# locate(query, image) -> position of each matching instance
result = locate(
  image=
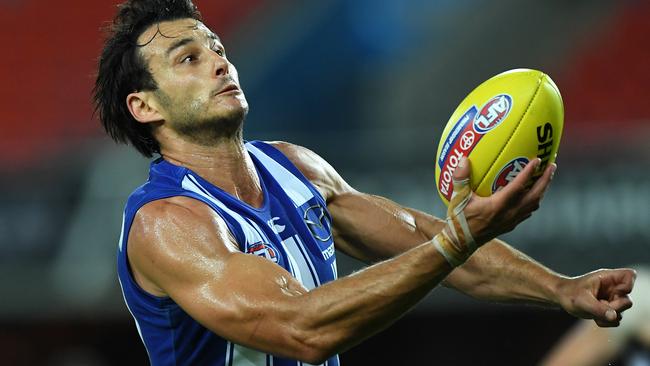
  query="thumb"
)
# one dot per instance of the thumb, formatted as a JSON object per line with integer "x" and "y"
{"x": 602, "y": 311}
{"x": 462, "y": 190}
{"x": 610, "y": 314}
{"x": 462, "y": 172}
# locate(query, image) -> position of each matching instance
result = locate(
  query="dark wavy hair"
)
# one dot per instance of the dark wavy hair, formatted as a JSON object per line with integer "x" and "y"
{"x": 122, "y": 69}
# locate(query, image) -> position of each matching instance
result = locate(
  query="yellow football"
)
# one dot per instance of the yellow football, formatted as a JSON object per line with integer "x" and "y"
{"x": 501, "y": 125}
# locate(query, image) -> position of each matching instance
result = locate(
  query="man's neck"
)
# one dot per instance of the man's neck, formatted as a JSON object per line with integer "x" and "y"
{"x": 226, "y": 165}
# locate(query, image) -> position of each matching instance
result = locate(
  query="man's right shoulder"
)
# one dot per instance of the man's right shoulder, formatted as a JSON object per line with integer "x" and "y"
{"x": 168, "y": 233}
{"x": 163, "y": 220}
{"x": 167, "y": 209}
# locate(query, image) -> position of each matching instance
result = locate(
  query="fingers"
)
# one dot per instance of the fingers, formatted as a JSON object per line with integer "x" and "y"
{"x": 515, "y": 189}
{"x": 625, "y": 278}
{"x": 621, "y": 304}
{"x": 542, "y": 184}
{"x": 605, "y": 316}
{"x": 614, "y": 314}
{"x": 611, "y": 298}
{"x": 529, "y": 198}
{"x": 615, "y": 284}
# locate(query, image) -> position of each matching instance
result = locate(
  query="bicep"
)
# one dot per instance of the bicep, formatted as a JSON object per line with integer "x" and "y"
{"x": 192, "y": 259}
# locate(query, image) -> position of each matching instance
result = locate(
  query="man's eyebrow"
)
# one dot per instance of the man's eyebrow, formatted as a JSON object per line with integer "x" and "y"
{"x": 214, "y": 37}
{"x": 183, "y": 41}
{"x": 180, "y": 43}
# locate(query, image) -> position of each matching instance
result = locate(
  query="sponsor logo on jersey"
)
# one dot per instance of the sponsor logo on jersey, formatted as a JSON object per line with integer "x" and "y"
{"x": 508, "y": 173}
{"x": 329, "y": 252}
{"x": 264, "y": 250}
{"x": 466, "y": 134}
{"x": 493, "y": 113}
{"x": 318, "y": 223}
{"x": 277, "y": 228}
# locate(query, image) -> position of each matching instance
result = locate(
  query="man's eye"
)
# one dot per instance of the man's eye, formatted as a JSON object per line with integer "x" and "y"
{"x": 221, "y": 52}
{"x": 188, "y": 59}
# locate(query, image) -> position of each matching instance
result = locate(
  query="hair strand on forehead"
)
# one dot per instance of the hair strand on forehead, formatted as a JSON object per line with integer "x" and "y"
{"x": 158, "y": 32}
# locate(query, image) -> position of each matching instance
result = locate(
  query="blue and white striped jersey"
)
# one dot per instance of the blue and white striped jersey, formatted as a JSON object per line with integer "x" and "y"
{"x": 292, "y": 229}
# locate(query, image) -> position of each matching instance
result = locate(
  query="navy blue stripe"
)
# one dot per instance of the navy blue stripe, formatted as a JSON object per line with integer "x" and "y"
{"x": 232, "y": 350}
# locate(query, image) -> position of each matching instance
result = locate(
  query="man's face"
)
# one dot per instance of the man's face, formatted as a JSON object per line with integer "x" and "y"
{"x": 198, "y": 88}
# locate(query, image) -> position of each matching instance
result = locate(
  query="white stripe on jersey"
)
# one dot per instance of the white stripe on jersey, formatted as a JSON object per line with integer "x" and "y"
{"x": 122, "y": 231}
{"x": 243, "y": 356}
{"x": 297, "y": 260}
{"x": 228, "y": 361}
{"x": 335, "y": 270}
{"x": 303, "y": 263}
{"x": 191, "y": 184}
{"x": 294, "y": 187}
{"x": 293, "y": 264}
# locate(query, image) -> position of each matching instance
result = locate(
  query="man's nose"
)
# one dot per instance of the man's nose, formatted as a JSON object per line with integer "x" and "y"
{"x": 222, "y": 66}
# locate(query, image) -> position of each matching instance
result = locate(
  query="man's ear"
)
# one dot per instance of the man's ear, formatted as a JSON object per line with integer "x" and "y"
{"x": 143, "y": 108}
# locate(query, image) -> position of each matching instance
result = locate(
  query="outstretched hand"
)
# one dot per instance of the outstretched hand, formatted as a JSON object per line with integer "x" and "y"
{"x": 488, "y": 217}
{"x": 600, "y": 295}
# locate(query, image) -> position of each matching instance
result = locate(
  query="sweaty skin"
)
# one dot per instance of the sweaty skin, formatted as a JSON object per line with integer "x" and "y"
{"x": 179, "y": 247}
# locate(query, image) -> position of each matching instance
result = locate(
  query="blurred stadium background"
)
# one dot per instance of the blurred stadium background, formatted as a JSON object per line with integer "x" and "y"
{"x": 368, "y": 85}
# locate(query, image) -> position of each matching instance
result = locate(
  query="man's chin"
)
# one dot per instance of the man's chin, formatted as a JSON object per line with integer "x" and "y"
{"x": 215, "y": 129}
{"x": 232, "y": 118}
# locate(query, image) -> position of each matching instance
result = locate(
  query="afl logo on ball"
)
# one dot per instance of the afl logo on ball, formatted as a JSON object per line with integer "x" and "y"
{"x": 493, "y": 113}
{"x": 263, "y": 250}
{"x": 508, "y": 173}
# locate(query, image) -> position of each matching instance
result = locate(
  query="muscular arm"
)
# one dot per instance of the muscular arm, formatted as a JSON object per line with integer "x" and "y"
{"x": 178, "y": 247}
{"x": 373, "y": 228}
{"x": 495, "y": 272}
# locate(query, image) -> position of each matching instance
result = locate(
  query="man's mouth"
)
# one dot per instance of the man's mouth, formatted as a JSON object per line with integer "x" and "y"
{"x": 229, "y": 88}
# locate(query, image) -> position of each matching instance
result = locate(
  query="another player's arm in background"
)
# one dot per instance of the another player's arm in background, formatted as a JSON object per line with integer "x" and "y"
{"x": 586, "y": 345}
{"x": 372, "y": 228}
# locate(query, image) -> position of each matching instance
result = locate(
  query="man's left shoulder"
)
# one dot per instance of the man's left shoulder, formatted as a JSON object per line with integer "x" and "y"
{"x": 316, "y": 169}
{"x": 298, "y": 155}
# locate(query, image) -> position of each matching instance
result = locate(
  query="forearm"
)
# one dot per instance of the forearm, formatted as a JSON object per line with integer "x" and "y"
{"x": 495, "y": 272}
{"x": 345, "y": 312}
{"x": 274, "y": 313}
{"x": 499, "y": 272}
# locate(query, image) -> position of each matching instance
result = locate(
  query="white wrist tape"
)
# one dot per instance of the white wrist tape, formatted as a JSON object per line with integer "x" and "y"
{"x": 455, "y": 241}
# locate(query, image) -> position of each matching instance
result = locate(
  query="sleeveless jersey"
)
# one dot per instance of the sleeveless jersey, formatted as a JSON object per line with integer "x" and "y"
{"x": 291, "y": 229}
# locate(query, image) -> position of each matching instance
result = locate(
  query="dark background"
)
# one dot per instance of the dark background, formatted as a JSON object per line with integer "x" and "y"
{"x": 369, "y": 86}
